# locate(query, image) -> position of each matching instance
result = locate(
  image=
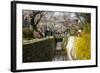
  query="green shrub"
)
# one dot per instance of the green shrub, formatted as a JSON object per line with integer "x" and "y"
{"x": 27, "y": 33}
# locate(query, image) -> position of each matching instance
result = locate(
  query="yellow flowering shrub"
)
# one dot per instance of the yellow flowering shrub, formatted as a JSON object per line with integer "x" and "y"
{"x": 82, "y": 50}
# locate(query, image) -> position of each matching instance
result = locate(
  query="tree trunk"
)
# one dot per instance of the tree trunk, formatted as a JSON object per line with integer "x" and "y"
{"x": 35, "y": 29}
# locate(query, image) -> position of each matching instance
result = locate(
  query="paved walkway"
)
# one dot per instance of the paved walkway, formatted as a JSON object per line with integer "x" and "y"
{"x": 70, "y": 47}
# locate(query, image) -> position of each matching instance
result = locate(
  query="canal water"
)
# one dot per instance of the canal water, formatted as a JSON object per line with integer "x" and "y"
{"x": 60, "y": 55}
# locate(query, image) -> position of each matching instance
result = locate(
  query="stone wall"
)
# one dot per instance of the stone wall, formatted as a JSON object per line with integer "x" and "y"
{"x": 39, "y": 51}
